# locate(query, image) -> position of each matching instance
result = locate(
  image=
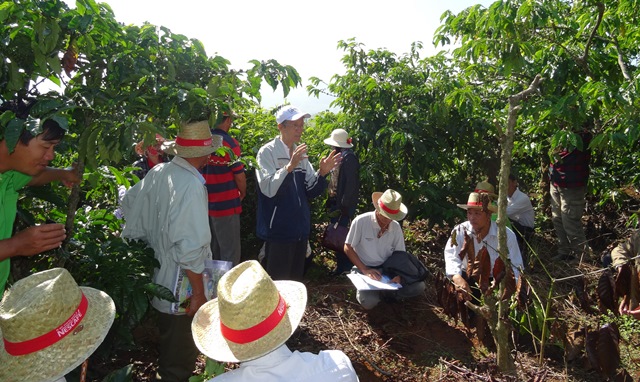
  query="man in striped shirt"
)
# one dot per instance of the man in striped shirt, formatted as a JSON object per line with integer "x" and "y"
{"x": 226, "y": 185}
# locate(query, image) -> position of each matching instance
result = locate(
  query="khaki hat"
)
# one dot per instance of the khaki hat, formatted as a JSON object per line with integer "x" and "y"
{"x": 50, "y": 326}
{"x": 339, "y": 138}
{"x": 194, "y": 140}
{"x": 476, "y": 202}
{"x": 486, "y": 187}
{"x": 389, "y": 204}
{"x": 251, "y": 317}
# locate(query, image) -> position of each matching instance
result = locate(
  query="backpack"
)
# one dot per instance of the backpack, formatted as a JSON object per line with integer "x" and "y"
{"x": 405, "y": 265}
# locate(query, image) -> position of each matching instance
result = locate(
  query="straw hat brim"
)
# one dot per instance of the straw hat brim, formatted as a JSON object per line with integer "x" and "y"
{"x": 171, "y": 148}
{"x": 208, "y": 338}
{"x": 334, "y": 143}
{"x": 53, "y": 362}
{"x": 491, "y": 207}
{"x": 398, "y": 216}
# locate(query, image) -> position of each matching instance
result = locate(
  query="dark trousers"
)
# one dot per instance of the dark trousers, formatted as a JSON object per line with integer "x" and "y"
{"x": 178, "y": 352}
{"x": 285, "y": 261}
{"x": 343, "y": 264}
{"x": 523, "y": 235}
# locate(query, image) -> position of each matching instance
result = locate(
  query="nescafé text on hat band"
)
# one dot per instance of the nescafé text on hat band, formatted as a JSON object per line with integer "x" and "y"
{"x": 50, "y": 338}
{"x": 387, "y": 209}
{"x": 194, "y": 142}
{"x": 257, "y": 331}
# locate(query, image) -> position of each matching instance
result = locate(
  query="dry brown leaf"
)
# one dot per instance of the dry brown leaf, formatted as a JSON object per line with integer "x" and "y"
{"x": 498, "y": 270}
{"x": 583, "y": 296}
{"x": 574, "y": 343}
{"x": 623, "y": 280}
{"x": 623, "y": 376}
{"x": 634, "y": 287}
{"x": 439, "y": 285}
{"x": 483, "y": 269}
{"x": 453, "y": 302}
{"x": 468, "y": 250}
{"x": 463, "y": 311}
{"x": 608, "y": 349}
{"x": 70, "y": 58}
{"x": 603, "y": 350}
{"x": 509, "y": 286}
{"x": 523, "y": 291}
{"x": 605, "y": 293}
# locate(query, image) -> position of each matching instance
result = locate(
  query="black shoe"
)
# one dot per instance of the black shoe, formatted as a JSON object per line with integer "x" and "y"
{"x": 389, "y": 298}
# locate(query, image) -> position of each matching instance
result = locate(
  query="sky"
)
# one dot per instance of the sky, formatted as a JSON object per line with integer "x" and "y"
{"x": 302, "y": 34}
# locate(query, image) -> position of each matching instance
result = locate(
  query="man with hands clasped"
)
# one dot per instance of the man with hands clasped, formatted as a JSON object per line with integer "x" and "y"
{"x": 286, "y": 181}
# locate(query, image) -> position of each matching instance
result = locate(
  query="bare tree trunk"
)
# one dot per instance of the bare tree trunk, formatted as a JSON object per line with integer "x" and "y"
{"x": 544, "y": 184}
{"x": 498, "y": 321}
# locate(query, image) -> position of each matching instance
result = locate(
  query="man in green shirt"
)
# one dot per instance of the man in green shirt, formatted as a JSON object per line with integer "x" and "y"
{"x": 27, "y": 165}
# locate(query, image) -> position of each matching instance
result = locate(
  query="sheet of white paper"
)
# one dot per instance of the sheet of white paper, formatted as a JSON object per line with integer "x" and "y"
{"x": 362, "y": 282}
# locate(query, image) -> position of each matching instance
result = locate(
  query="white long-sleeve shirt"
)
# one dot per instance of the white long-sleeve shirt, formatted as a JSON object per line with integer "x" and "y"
{"x": 283, "y": 365}
{"x": 455, "y": 265}
{"x": 168, "y": 210}
{"x": 519, "y": 209}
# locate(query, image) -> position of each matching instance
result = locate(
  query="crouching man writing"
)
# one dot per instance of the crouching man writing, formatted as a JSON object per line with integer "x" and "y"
{"x": 375, "y": 242}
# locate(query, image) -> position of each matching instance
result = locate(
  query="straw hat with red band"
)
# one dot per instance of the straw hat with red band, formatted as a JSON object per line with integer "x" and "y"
{"x": 487, "y": 188}
{"x": 389, "y": 204}
{"x": 49, "y": 326}
{"x": 194, "y": 140}
{"x": 251, "y": 317}
{"x": 478, "y": 201}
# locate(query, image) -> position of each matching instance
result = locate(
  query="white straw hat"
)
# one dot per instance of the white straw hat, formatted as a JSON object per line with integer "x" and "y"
{"x": 252, "y": 315}
{"x": 50, "y": 326}
{"x": 339, "y": 138}
{"x": 290, "y": 113}
{"x": 487, "y": 188}
{"x": 389, "y": 204}
{"x": 477, "y": 202}
{"x": 194, "y": 140}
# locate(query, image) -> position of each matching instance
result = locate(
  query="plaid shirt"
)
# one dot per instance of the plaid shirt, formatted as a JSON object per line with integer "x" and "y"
{"x": 571, "y": 169}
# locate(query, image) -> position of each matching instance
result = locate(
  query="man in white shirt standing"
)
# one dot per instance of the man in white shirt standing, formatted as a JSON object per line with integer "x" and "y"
{"x": 520, "y": 213}
{"x": 250, "y": 321}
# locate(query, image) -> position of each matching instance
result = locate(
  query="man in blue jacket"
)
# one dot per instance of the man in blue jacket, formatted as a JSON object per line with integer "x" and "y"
{"x": 286, "y": 180}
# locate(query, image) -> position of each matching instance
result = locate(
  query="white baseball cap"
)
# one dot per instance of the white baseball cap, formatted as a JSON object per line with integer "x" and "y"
{"x": 290, "y": 113}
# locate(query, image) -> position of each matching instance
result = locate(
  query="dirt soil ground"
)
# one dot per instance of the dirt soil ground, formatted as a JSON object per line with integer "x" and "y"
{"x": 413, "y": 340}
